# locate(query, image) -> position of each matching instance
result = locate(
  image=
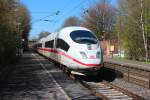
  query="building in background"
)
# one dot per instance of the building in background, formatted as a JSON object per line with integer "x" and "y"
{"x": 111, "y": 48}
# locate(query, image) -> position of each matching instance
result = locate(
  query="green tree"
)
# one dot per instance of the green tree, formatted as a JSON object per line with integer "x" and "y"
{"x": 134, "y": 28}
{"x": 9, "y": 33}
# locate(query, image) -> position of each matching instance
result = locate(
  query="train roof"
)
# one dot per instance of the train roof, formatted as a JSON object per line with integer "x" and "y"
{"x": 51, "y": 36}
{"x": 73, "y": 28}
{"x": 63, "y": 33}
{"x": 41, "y": 40}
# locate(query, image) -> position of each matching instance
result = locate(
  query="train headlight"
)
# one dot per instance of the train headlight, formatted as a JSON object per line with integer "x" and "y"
{"x": 83, "y": 54}
{"x": 98, "y": 55}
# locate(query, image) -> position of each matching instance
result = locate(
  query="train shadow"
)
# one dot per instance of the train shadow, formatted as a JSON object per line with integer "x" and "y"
{"x": 104, "y": 74}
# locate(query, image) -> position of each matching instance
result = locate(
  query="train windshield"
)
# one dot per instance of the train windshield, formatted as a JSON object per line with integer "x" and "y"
{"x": 83, "y": 37}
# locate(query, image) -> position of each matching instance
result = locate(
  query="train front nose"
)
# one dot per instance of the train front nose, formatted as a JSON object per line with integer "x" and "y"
{"x": 90, "y": 56}
{"x": 89, "y": 60}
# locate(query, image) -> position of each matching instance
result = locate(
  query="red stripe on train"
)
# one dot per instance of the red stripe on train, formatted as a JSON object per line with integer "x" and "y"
{"x": 66, "y": 55}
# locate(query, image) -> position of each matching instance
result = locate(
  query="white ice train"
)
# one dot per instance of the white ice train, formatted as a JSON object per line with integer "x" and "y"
{"x": 75, "y": 47}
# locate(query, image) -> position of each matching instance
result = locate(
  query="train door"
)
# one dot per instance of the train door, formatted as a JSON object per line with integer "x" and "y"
{"x": 57, "y": 56}
{"x": 55, "y": 47}
{"x": 43, "y": 46}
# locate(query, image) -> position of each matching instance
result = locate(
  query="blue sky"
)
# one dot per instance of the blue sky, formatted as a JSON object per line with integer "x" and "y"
{"x": 46, "y": 10}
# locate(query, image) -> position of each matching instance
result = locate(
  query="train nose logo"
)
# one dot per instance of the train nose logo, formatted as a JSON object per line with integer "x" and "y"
{"x": 89, "y": 47}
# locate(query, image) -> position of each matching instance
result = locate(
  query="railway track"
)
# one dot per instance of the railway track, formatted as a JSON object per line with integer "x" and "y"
{"x": 106, "y": 90}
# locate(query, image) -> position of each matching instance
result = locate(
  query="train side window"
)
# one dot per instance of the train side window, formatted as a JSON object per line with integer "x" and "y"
{"x": 49, "y": 44}
{"x": 62, "y": 45}
{"x": 39, "y": 45}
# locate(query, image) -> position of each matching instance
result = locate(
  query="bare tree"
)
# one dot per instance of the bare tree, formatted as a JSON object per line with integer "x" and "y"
{"x": 43, "y": 34}
{"x": 25, "y": 25}
{"x": 144, "y": 33}
{"x": 100, "y": 18}
{"x": 71, "y": 21}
